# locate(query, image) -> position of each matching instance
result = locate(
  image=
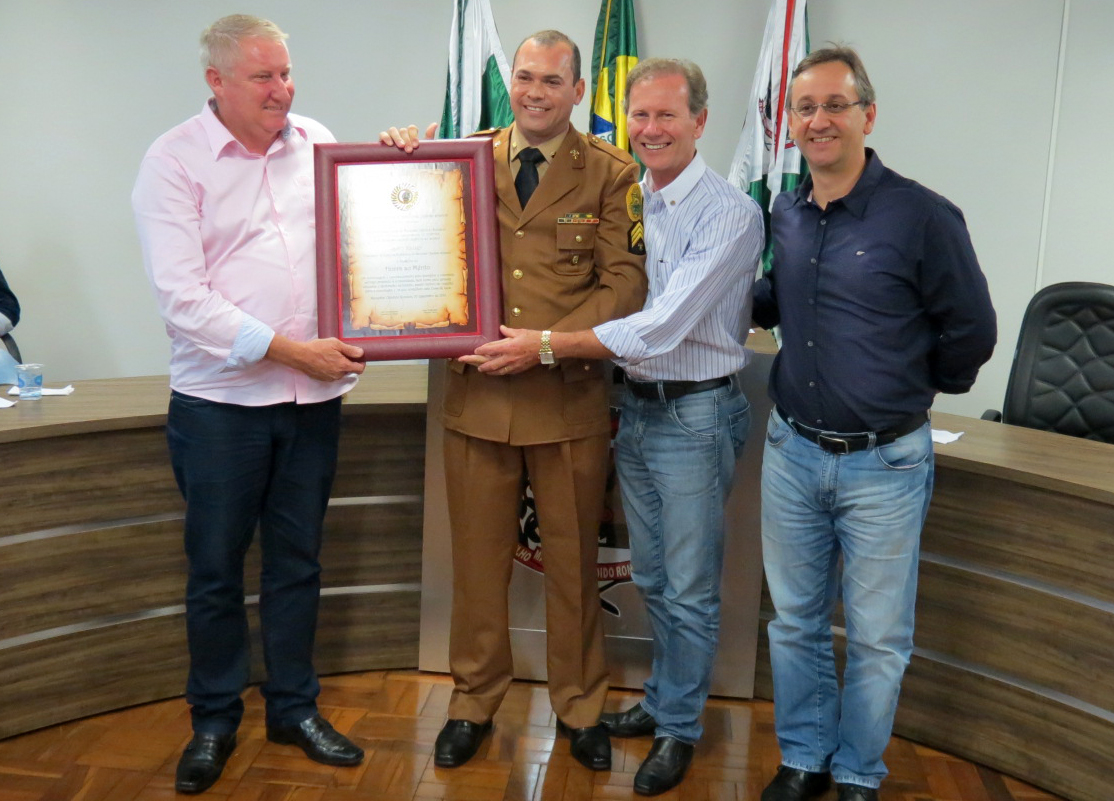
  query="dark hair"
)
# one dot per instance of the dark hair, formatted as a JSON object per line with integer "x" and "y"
{"x": 843, "y": 54}
{"x": 549, "y": 39}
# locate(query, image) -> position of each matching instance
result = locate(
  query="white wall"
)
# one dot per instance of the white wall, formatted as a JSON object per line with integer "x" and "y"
{"x": 967, "y": 105}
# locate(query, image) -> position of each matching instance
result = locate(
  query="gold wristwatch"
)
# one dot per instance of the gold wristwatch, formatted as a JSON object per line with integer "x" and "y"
{"x": 545, "y": 352}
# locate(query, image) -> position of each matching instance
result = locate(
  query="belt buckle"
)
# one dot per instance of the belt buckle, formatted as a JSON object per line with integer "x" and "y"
{"x": 836, "y": 445}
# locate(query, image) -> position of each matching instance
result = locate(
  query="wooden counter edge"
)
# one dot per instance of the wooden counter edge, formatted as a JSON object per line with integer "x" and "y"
{"x": 117, "y": 404}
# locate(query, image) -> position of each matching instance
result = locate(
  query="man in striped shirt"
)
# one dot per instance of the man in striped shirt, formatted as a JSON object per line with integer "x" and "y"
{"x": 684, "y": 417}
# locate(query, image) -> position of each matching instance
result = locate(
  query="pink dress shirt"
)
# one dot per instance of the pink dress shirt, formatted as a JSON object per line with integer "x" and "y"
{"x": 228, "y": 241}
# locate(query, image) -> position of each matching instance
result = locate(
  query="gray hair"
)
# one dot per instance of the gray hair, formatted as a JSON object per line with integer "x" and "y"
{"x": 845, "y": 55}
{"x": 653, "y": 67}
{"x": 550, "y": 39}
{"x": 220, "y": 42}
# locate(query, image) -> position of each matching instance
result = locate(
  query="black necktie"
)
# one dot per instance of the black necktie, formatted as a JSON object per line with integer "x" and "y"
{"x": 527, "y": 179}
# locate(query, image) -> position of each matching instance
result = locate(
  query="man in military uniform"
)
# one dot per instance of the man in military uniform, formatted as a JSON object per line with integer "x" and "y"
{"x": 569, "y": 211}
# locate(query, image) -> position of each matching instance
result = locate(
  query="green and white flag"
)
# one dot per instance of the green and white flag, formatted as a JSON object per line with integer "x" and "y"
{"x": 766, "y": 162}
{"x": 614, "y": 55}
{"x": 476, "y": 94}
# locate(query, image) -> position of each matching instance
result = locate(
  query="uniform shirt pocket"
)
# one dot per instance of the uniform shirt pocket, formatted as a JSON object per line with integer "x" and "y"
{"x": 574, "y": 246}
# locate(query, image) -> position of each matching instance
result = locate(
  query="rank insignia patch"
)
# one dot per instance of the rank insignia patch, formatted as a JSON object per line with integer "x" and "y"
{"x": 637, "y": 244}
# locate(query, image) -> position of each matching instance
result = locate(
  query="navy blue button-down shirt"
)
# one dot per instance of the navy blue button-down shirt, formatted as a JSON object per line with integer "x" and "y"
{"x": 881, "y": 302}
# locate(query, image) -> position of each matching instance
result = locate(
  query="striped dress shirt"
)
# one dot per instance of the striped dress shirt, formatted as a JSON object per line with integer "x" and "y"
{"x": 704, "y": 238}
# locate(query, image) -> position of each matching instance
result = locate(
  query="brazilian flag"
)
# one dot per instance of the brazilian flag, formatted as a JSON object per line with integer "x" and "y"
{"x": 615, "y": 54}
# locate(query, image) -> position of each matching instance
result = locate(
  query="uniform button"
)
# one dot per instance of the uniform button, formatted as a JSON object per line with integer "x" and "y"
{"x": 517, "y": 273}
{"x": 587, "y": 367}
{"x": 520, "y": 234}
{"x": 579, "y": 238}
{"x": 516, "y": 311}
{"x": 576, "y": 259}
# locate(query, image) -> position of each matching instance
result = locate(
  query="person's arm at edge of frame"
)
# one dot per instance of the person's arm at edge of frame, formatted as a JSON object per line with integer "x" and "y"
{"x": 9, "y": 307}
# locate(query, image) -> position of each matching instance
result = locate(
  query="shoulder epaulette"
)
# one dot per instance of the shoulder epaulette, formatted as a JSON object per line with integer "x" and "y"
{"x": 609, "y": 149}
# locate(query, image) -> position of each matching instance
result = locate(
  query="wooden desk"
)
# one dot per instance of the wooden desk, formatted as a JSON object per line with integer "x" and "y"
{"x": 1015, "y": 609}
{"x": 91, "y": 561}
{"x": 1015, "y": 617}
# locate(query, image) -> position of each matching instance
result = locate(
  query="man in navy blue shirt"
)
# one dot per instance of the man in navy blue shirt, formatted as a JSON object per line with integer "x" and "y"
{"x": 881, "y": 304}
{"x": 9, "y": 307}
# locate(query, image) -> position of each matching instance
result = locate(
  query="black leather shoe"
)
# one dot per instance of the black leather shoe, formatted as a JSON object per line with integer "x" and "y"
{"x": 635, "y": 722}
{"x": 590, "y": 745}
{"x": 321, "y": 742}
{"x": 202, "y": 762}
{"x": 458, "y": 742}
{"x": 856, "y": 792}
{"x": 791, "y": 784}
{"x": 664, "y": 766}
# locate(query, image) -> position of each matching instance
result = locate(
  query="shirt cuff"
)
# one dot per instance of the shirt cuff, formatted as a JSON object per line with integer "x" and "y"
{"x": 5, "y": 324}
{"x": 250, "y": 346}
{"x": 617, "y": 337}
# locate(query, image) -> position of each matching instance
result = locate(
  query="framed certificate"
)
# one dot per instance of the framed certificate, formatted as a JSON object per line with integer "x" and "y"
{"x": 408, "y": 248}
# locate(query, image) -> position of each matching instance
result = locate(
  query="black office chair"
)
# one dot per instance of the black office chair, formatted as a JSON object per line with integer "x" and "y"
{"x": 1062, "y": 377}
{"x": 9, "y": 342}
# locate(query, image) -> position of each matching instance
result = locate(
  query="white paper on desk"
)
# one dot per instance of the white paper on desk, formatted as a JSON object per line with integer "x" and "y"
{"x": 6, "y": 404}
{"x": 66, "y": 390}
{"x": 7, "y": 366}
{"x": 943, "y": 437}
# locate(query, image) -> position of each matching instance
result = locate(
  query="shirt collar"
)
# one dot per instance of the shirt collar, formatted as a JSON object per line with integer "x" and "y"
{"x": 854, "y": 201}
{"x": 680, "y": 187}
{"x": 859, "y": 196}
{"x": 220, "y": 138}
{"x": 548, "y": 148}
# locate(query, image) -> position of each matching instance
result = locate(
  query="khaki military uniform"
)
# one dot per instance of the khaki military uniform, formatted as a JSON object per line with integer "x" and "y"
{"x": 573, "y": 258}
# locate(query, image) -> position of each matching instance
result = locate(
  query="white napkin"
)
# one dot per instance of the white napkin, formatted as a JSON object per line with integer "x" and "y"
{"x": 66, "y": 390}
{"x": 938, "y": 435}
{"x": 6, "y": 404}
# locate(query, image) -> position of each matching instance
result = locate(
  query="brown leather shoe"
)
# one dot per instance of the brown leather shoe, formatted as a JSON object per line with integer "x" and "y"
{"x": 203, "y": 761}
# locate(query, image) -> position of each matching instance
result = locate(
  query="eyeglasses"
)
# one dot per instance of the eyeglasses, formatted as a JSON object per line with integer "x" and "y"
{"x": 806, "y": 111}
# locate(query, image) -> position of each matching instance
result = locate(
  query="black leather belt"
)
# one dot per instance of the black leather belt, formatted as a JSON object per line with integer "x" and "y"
{"x": 834, "y": 442}
{"x": 673, "y": 389}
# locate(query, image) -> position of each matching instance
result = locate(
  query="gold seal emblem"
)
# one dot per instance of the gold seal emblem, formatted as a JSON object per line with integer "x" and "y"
{"x": 634, "y": 203}
{"x": 404, "y": 196}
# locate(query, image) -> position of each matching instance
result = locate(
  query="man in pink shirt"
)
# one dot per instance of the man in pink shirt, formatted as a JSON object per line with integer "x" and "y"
{"x": 224, "y": 204}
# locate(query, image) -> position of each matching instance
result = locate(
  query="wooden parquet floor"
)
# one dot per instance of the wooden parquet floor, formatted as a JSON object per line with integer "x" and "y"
{"x": 130, "y": 755}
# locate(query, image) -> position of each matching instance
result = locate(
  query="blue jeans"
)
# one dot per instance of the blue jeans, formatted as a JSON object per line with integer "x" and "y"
{"x": 239, "y": 467}
{"x": 675, "y": 461}
{"x": 869, "y": 507}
